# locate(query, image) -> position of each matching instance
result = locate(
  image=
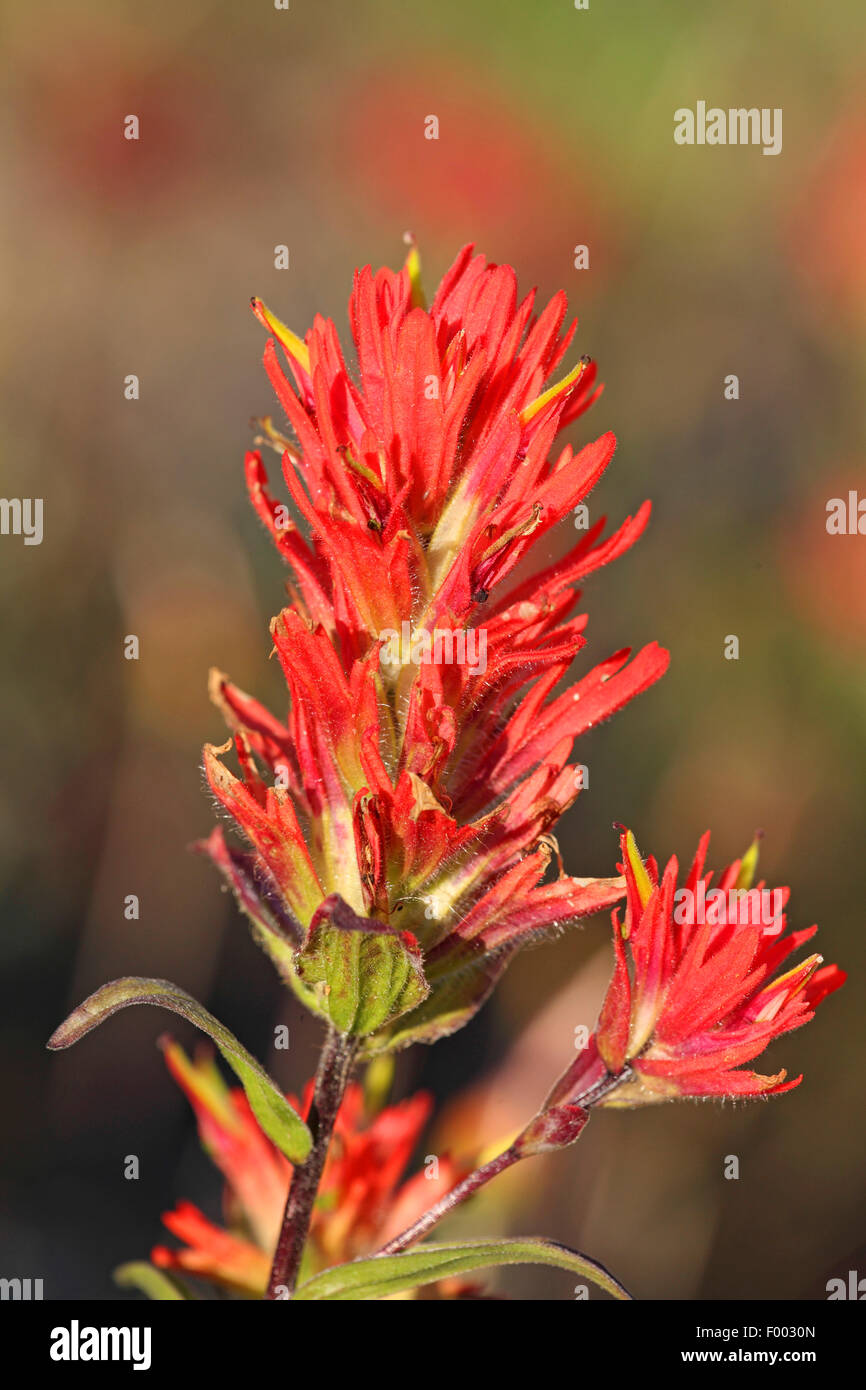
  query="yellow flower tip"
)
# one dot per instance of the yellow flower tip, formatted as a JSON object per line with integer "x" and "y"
{"x": 808, "y": 968}
{"x": 556, "y": 390}
{"x": 412, "y": 267}
{"x": 784, "y": 987}
{"x": 214, "y": 751}
{"x": 294, "y": 346}
{"x": 643, "y": 882}
{"x": 749, "y": 863}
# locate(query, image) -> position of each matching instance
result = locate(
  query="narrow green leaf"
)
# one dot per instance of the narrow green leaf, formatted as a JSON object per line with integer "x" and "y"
{"x": 155, "y": 1283}
{"x": 270, "y": 1107}
{"x": 389, "y": 1274}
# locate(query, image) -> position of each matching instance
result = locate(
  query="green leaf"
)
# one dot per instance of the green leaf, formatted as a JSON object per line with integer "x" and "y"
{"x": 270, "y": 1107}
{"x": 457, "y": 991}
{"x": 155, "y": 1283}
{"x": 363, "y": 972}
{"x": 389, "y": 1274}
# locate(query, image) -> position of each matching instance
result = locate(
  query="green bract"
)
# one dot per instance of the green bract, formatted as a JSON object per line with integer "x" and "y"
{"x": 362, "y": 973}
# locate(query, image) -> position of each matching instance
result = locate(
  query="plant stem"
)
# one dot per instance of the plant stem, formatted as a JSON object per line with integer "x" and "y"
{"x": 475, "y": 1181}
{"x": 467, "y": 1188}
{"x": 332, "y": 1075}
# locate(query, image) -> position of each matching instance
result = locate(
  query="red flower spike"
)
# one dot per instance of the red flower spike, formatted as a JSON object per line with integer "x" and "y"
{"x": 424, "y": 758}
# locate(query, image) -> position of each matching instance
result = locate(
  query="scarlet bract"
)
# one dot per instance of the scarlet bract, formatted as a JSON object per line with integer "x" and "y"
{"x": 691, "y": 1000}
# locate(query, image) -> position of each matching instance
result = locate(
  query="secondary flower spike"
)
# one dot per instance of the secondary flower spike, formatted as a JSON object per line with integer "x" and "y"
{"x": 694, "y": 994}
{"x": 415, "y": 795}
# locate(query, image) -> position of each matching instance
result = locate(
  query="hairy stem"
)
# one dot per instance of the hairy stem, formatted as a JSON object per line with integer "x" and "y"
{"x": 332, "y": 1075}
{"x": 467, "y": 1188}
{"x": 481, "y": 1176}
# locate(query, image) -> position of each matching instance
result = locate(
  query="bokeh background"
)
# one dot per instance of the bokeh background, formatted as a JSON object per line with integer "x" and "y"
{"x": 305, "y": 127}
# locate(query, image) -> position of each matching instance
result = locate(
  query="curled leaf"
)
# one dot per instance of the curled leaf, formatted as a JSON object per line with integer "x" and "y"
{"x": 274, "y": 1113}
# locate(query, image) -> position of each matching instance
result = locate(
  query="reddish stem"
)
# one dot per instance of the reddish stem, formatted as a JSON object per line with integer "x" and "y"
{"x": 332, "y": 1075}
{"x": 481, "y": 1176}
{"x": 458, "y": 1194}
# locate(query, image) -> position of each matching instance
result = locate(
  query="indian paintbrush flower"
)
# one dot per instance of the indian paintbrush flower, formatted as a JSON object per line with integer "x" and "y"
{"x": 693, "y": 996}
{"x": 398, "y": 818}
{"x": 418, "y": 797}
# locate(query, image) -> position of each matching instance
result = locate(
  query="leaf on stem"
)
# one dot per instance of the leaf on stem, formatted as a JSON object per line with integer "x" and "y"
{"x": 382, "y": 1275}
{"x": 270, "y": 1107}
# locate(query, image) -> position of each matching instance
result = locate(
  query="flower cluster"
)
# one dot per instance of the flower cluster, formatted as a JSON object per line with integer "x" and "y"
{"x": 420, "y": 796}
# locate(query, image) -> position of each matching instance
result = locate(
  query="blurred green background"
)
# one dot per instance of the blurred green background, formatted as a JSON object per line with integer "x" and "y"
{"x": 305, "y": 127}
